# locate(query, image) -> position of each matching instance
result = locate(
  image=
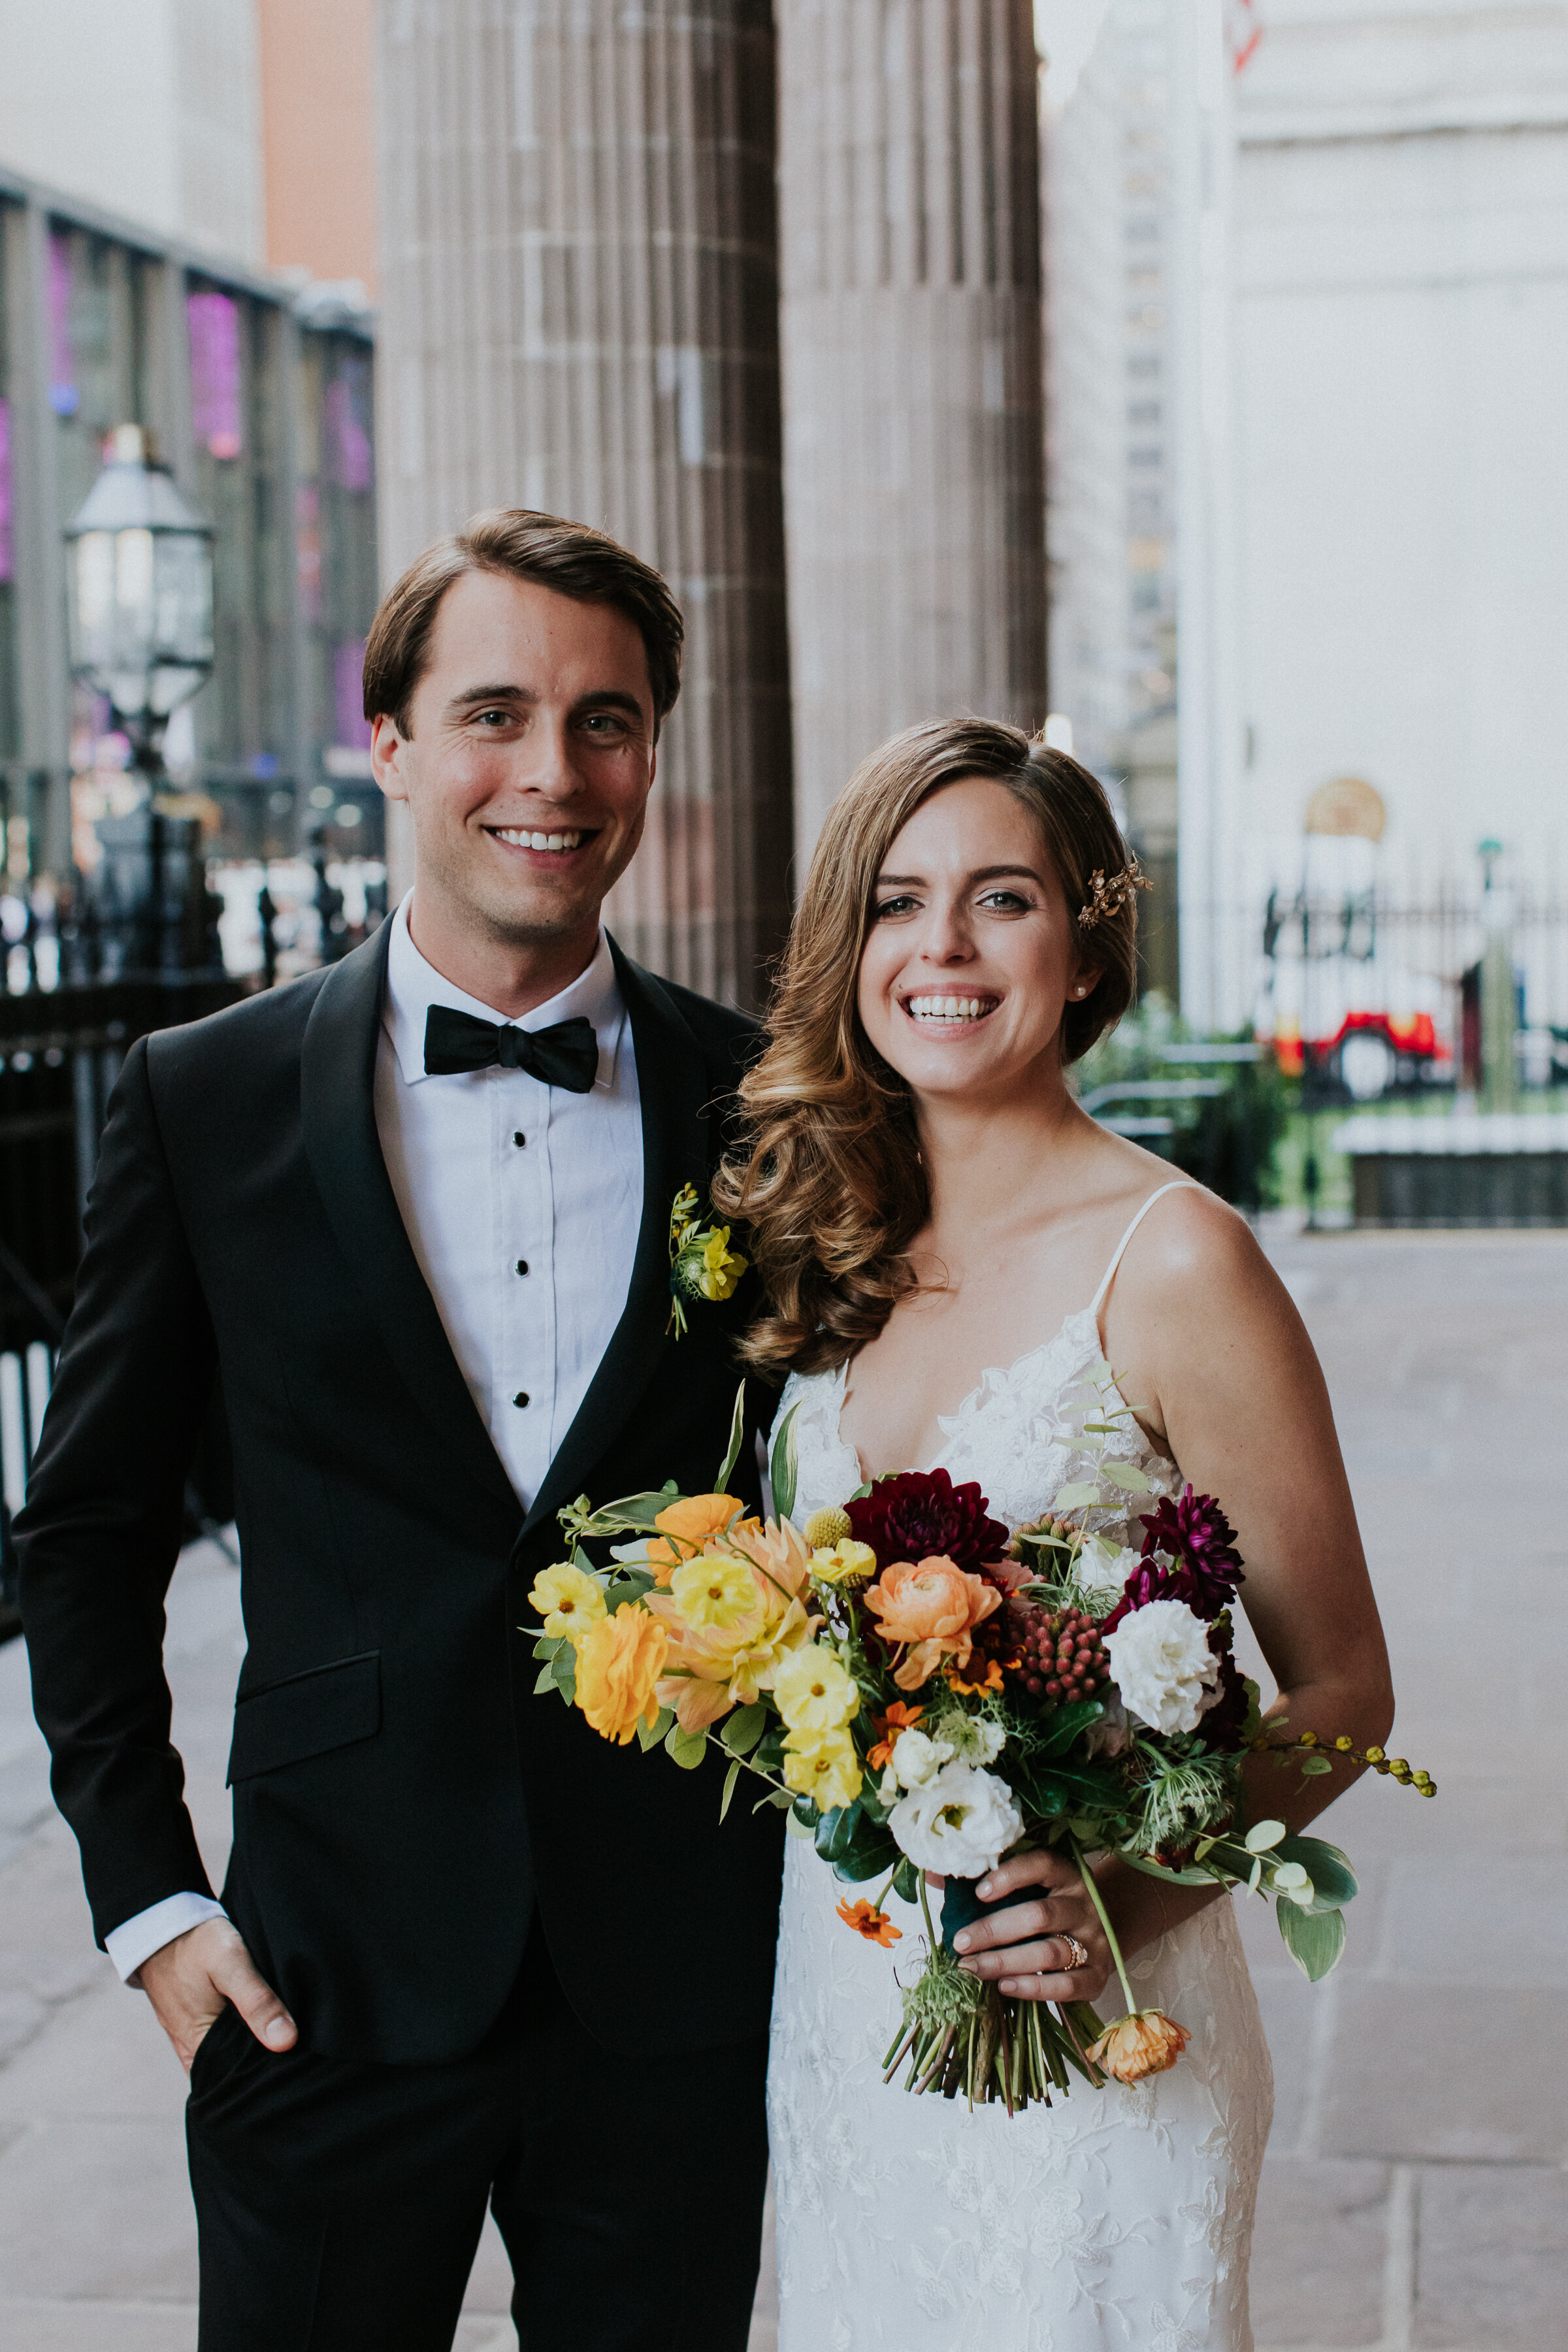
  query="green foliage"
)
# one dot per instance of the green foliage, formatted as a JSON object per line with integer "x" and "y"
{"x": 1229, "y": 1142}
{"x": 1313, "y": 1939}
{"x": 685, "y": 1748}
{"x": 855, "y": 1845}
{"x": 782, "y": 1466}
{"x": 737, "y": 1430}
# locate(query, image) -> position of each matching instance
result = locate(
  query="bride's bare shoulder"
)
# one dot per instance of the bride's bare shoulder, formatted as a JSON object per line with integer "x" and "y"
{"x": 1196, "y": 1252}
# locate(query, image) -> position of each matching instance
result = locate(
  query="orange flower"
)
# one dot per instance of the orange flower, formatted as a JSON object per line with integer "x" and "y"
{"x": 690, "y": 1525}
{"x": 619, "y": 1660}
{"x": 987, "y": 1677}
{"x": 899, "y": 1719}
{"x": 932, "y": 1610}
{"x": 875, "y": 1926}
{"x": 710, "y": 1669}
{"x": 1147, "y": 2043}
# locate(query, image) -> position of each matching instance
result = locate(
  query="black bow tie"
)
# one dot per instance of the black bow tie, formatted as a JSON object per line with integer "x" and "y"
{"x": 567, "y": 1055}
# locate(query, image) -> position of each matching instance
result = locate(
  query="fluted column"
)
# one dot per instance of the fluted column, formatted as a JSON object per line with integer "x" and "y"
{"x": 913, "y": 385}
{"x": 580, "y": 314}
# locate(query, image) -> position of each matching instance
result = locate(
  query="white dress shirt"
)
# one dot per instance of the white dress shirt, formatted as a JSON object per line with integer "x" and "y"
{"x": 522, "y": 1203}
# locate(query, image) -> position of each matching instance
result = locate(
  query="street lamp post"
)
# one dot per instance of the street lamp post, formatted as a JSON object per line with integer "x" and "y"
{"x": 139, "y": 589}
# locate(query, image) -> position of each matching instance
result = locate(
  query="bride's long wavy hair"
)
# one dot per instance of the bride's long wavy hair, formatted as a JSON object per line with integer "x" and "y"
{"x": 829, "y": 1179}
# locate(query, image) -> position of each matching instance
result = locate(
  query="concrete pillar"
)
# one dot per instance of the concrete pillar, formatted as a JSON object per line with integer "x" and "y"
{"x": 913, "y": 384}
{"x": 580, "y": 313}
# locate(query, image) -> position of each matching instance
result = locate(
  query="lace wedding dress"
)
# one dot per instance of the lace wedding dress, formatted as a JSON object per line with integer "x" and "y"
{"x": 1115, "y": 2217}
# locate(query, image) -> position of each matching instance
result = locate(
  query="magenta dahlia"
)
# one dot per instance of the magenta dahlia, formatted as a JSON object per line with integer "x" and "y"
{"x": 1196, "y": 1534}
{"x": 921, "y": 1512}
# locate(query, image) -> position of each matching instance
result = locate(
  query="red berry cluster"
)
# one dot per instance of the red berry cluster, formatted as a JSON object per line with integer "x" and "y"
{"x": 1062, "y": 1657}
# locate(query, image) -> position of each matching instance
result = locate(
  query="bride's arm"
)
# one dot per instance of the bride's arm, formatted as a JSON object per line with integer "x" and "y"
{"x": 1215, "y": 1358}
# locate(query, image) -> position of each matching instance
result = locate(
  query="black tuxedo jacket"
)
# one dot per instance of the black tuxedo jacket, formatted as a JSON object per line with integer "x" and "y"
{"x": 402, "y": 1800}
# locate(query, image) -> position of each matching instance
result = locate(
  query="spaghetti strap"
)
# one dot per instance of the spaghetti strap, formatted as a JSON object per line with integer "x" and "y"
{"x": 1181, "y": 1184}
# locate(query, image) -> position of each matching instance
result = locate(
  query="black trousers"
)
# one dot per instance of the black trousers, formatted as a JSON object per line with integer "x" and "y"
{"x": 339, "y": 2204}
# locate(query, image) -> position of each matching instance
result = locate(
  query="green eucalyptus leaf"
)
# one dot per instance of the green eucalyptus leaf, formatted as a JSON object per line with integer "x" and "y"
{"x": 686, "y": 1747}
{"x": 743, "y": 1729}
{"x": 653, "y": 1735}
{"x": 546, "y": 1679}
{"x": 1314, "y": 1940}
{"x": 1081, "y": 1495}
{"x": 563, "y": 1671}
{"x": 1127, "y": 1476}
{"x": 730, "y": 1776}
{"x": 1314, "y": 1767}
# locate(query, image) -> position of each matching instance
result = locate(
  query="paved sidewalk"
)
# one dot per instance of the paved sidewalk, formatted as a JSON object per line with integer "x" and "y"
{"x": 1416, "y": 2194}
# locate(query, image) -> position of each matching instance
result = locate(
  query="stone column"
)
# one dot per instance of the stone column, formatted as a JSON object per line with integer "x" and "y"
{"x": 580, "y": 314}
{"x": 913, "y": 384}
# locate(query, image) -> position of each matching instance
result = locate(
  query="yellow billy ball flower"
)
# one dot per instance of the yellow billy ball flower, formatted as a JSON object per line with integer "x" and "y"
{"x": 714, "y": 1595}
{"x": 826, "y": 1527}
{"x": 823, "y": 1765}
{"x": 569, "y": 1600}
{"x": 619, "y": 1660}
{"x": 845, "y": 1562}
{"x": 812, "y": 1691}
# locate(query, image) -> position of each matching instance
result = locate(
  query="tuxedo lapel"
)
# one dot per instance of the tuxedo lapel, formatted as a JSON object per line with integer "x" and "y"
{"x": 337, "y": 1089}
{"x": 673, "y": 1088}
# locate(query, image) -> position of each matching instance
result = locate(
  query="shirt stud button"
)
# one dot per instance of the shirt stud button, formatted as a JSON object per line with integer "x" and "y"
{"x": 518, "y": 1137}
{"x": 521, "y": 1397}
{"x": 522, "y": 1265}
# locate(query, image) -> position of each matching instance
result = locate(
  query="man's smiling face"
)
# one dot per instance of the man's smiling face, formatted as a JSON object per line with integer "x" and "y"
{"x": 526, "y": 766}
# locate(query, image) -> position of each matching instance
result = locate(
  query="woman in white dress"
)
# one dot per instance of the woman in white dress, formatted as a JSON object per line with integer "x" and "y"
{"x": 927, "y": 1201}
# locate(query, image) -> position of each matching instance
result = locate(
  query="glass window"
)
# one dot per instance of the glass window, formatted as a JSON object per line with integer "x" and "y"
{"x": 97, "y": 330}
{"x": 10, "y": 733}
{"x": 242, "y": 717}
{"x": 334, "y": 544}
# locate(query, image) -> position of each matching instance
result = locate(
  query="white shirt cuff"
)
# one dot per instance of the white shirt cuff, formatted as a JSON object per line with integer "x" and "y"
{"x": 137, "y": 1939}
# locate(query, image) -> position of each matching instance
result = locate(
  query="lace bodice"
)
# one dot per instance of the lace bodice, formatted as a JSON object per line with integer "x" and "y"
{"x": 1113, "y": 2218}
{"x": 1019, "y": 1433}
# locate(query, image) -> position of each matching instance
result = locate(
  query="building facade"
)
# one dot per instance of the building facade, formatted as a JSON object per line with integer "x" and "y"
{"x": 266, "y": 420}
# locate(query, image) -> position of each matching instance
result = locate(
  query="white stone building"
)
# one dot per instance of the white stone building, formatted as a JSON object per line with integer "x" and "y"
{"x": 1366, "y": 344}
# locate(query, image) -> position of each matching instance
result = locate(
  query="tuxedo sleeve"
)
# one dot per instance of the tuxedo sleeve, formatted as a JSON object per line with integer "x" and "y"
{"x": 99, "y": 1538}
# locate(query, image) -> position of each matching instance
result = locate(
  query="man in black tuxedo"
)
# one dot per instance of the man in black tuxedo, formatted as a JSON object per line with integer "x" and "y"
{"x": 411, "y": 1215}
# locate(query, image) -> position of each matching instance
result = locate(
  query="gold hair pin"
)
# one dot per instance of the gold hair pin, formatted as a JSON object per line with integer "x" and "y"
{"x": 1108, "y": 898}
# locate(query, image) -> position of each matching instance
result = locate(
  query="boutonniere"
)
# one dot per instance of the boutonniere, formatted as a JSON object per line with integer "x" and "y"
{"x": 702, "y": 1263}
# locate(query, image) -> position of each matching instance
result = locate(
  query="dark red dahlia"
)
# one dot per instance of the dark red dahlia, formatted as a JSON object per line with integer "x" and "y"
{"x": 921, "y": 1512}
{"x": 1196, "y": 1533}
{"x": 1224, "y": 1724}
{"x": 1153, "y": 1581}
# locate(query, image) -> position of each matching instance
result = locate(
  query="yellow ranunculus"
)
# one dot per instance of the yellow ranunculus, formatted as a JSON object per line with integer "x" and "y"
{"x": 823, "y": 1765}
{"x": 569, "y": 1600}
{"x": 715, "y": 1595}
{"x": 713, "y": 1668}
{"x": 721, "y": 1267}
{"x": 619, "y": 1660}
{"x": 845, "y": 1562}
{"x": 812, "y": 1691}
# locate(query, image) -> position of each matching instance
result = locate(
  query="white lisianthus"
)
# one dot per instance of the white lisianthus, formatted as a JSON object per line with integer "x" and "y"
{"x": 1164, "y": 1667}
{"x": 1103, "y": 1564}
{"x": 917, "y": 1760}
{"x": 972, "y": 1738}
{"x": 961, "y": 1823}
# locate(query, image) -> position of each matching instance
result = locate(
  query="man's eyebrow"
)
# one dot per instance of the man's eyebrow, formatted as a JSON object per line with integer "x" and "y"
{"x": 477, "y": 694}
{"x": 610, "y": 697}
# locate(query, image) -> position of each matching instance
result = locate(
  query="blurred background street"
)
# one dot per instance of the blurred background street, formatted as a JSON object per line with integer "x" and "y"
{"x": 1415, "y": 2196}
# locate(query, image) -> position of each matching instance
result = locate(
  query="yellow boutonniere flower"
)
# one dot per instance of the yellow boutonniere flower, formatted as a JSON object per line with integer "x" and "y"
{"x": 702, "y": 1263}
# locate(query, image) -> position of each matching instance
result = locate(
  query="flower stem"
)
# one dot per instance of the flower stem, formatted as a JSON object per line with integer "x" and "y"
{"x": 1093, "y": 1889}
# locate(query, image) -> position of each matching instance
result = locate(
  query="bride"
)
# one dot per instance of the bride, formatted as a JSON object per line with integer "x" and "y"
{"x": 950, "y": 1246}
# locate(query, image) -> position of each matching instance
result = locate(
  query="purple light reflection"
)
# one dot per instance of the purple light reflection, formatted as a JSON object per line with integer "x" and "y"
{"x": 8, "y": 544}
{"x": 347, "y": 694}
{"x": 215, "y": 409}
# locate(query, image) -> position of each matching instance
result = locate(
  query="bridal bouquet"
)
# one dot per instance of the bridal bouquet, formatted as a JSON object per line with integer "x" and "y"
{"x": 924, "y": 1693}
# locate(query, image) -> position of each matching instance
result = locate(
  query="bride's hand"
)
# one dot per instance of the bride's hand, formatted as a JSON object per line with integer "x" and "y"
{"x": 1025, "y": 1949}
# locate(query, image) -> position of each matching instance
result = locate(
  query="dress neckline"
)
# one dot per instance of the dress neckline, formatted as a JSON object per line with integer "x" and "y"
{"x": 995, "y": 1377}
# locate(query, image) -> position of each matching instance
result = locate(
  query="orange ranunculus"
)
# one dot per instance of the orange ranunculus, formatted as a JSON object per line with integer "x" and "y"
{"x": 899, "y": 1719}
{"x": 619, "y": 1660}
{"x": 689, "y": 1526}
{"x": 868, "y": 1921}
{"x": 929, "y": 1610}
{"x": 1145, "y": 2043}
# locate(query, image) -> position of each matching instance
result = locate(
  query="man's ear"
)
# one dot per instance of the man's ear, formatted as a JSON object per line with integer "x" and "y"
{"x": 388, "y": 754}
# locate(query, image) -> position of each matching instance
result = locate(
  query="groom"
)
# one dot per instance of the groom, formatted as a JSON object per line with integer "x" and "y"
{"x": 412, "y": 1214}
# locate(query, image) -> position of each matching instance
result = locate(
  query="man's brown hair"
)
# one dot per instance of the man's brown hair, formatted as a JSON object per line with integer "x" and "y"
{"x": 570, "y": 557}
